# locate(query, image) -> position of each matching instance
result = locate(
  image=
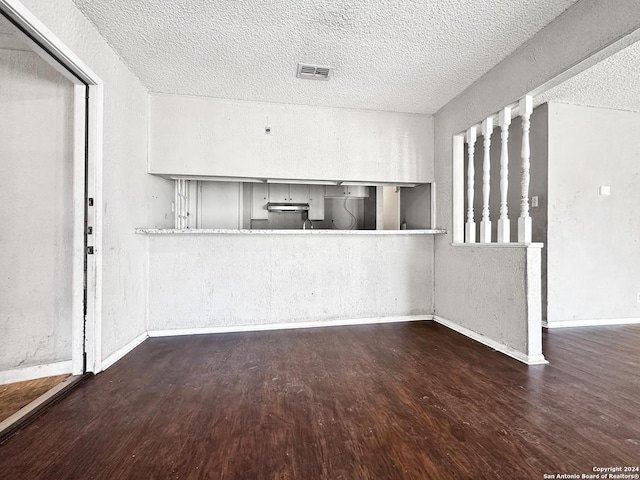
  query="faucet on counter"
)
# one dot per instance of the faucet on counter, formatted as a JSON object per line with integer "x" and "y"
{"x": 304, "y": 224}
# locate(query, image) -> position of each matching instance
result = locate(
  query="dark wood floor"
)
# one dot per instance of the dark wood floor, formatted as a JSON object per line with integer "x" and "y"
{"x": 395, "y": 401}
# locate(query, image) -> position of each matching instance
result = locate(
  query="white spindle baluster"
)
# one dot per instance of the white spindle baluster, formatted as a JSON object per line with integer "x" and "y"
{"x": 504, "y": 226}
{"x": 524, "y": 221}
{"x": 485, "y": 224}
{"x": 470, "y": 226}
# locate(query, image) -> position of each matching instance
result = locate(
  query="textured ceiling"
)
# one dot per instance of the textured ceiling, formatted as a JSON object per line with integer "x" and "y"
{"x": 395, "y": 55}
{"x": 611, "y": 83}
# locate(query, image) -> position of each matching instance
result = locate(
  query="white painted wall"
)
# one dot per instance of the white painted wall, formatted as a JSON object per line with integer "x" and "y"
{"x": 205, "y": 281}
{"x": 36, "y": 212}
{"x": 130, "y": 196}
{"x": 204, "y": 136}
{"x": 579, "y": 33}
{"x": 594, "y": 254}
{"x": 489, "y": 286}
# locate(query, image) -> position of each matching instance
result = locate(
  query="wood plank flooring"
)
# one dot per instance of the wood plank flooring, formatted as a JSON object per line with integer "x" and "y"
{"x": 394, "y": 401}
{"x": 14, "y": 396}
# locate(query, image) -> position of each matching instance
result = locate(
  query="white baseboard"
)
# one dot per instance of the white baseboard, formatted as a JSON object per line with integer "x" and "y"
{"x": 524, "y": 358}
{"x": 114, "y": 357}
{"x": 591, "y": 323}
{"x": 38, "y": 371}
{"x": 287, "y": 326}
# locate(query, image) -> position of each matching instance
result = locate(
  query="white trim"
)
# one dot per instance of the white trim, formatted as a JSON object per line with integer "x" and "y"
{"x": 94, "y": 262}
{"x": 39, "y": 371}
{"x": 511, "y": 352}
{"x": 287, "y": 326}
{"x": 77, "y": 290}
{"x": 36, "y": 404}
{"x": 457, "y": 196}
{"x": 499, "y": 245}
{"x": 61, "y": 53}
{"x": 590, "y": 323}
{"x": 118, "y": 354}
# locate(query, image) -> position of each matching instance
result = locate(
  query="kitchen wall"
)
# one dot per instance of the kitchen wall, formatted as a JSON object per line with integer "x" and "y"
{"x": 201, "y": 281}
{"x": 415, "y": 207}
{"x": 204, "y": 136}
{"x": 594, "y": 257}
{"x": 36, "y": 212}
{"x": 220, "y": 207}
{"x": 131, "y": 197}
{"x": 582, "y": 31}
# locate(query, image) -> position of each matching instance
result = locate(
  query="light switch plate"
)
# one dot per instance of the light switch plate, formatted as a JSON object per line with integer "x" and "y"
{"x": 604, "y": 190}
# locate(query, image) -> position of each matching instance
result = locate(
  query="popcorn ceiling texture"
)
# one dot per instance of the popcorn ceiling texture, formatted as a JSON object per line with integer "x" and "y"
{"x": 392, "y": 55}
{"x": 612, "y": 83}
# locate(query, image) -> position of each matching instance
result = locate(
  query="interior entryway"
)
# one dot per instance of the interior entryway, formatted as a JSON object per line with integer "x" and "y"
{"x": 37, "y": 214}
{"x": 47, "y": 183}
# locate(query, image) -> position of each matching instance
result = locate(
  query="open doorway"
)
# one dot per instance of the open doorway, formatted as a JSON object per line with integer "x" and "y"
{"x": 49, "y": 145}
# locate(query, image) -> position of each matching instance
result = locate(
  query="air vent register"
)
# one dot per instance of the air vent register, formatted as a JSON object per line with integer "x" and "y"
{"x": 313, "y": 72}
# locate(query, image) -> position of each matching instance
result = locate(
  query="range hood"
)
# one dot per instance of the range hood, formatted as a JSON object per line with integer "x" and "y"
{"x": 287, "y": 207}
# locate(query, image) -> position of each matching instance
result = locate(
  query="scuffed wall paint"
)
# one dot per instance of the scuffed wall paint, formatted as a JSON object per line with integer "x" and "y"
{"x": 36, "y": 212}
{"x": 577, "y": 34}
{"x": 204, "y": 136}
{"x": 594, "y": 254}
{"x": 228, "y": 280}
{"x": 127, "y": 190}
{"x": 486, "y": 293}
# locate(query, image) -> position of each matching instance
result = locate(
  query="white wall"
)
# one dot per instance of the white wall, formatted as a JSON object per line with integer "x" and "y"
{"x": 489, "y": 294}
{"x": 594, "y": 241}
{"x": 205, "y": 281}
{"x": 131, "y": 198}
{"x": 204, "y": 136}
{"x": 583, "y": 30}
{"x": 36, "y": 212}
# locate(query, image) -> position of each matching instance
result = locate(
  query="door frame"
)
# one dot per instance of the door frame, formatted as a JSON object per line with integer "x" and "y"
{"x": 87, "y": 183}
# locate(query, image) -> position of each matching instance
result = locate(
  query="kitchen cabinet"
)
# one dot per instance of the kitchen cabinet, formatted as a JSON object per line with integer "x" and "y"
{"x": 356, "y": 191}
{"x": 299, "y": 193}
{"x": 285, "y": 193}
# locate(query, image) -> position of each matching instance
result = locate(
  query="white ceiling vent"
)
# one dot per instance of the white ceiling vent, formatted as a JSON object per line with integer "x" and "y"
{"x": 313, "y": 72}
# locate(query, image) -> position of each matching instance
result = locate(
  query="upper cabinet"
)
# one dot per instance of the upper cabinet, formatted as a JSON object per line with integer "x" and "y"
{"x": 195, "y": 136}
{"x": 358, "y": 191}
{"x": 279, "y": 193}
